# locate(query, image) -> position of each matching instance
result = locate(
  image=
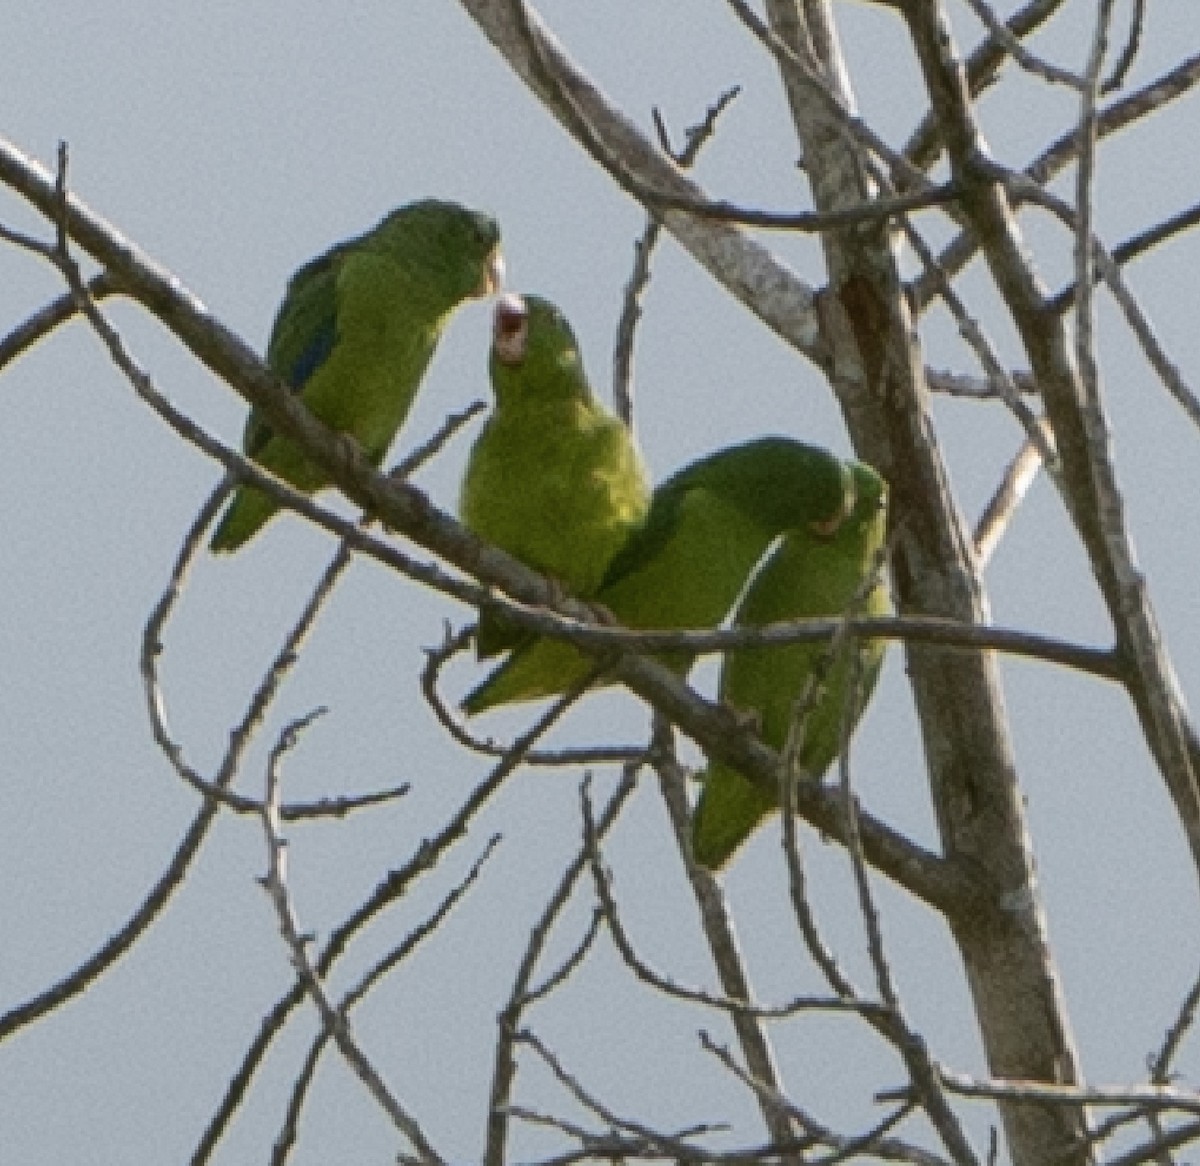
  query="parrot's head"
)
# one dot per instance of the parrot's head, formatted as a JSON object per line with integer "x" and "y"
{"x": 870, "y": 494}
{"x": 445, "y": 246}
{"x": 534, "y": 349}
{"x": 863, "y": 503}
{"x": 865, "y": 529}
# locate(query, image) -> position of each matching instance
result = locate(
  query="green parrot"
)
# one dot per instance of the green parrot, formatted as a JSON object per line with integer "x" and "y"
{"x": 685, "y": 566}
{"x": 355, "y": 333}
{"x": 811, "y": 573}
{"x": 553, "y": 478}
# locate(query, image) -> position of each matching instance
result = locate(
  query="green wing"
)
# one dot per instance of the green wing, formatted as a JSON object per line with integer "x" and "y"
{"x": 554, "y": 478}
{"x": 808, "y": 575}
{"x": 685, "y": 566}
{"x": 305, "y": 329}
{"x": 355, "y": 334}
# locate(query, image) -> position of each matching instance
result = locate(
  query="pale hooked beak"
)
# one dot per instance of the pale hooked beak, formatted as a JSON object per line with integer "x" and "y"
{"x": 493, "y": 275}
{"x": 510, "y": 329}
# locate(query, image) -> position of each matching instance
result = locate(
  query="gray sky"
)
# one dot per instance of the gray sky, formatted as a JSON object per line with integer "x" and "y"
{"x": 233, "y": 142}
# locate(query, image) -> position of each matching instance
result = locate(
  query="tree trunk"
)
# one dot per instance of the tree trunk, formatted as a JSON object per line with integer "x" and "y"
{"x": 877, "y": 373}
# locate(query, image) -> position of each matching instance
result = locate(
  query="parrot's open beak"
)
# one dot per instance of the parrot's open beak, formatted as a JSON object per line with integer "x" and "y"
{"x": 510, "y": 330}
{"x": 493, "y": 273}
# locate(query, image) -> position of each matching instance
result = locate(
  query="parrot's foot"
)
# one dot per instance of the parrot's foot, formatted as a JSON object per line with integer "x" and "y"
{"x": 604, "y": 617}
{"x": 743, "y": 719}
{"x": 559, "y": 591}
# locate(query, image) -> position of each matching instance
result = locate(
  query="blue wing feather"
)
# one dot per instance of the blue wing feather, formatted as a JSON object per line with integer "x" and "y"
{"x": 312, "y": 356}
{"x": 304, "y": 334}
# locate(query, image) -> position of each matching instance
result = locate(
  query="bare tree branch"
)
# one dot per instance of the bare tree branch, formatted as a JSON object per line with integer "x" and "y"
{"x": 334, "y": 1021}
{"x": 643, "y": 248}
{"x": 504, "y": 1067}
{"x": 285, "y": 1141}
{"x": 391, "y": 890}
{"x": 1019, "y": 476}
{"x": 1013, "y": 46}
{"x": 662, "y": 983}
{"x": 56, "y": 313}
{"x": 717, "y": 922}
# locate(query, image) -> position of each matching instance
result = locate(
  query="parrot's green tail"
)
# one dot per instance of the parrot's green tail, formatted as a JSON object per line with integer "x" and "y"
{"x": 728, "y": 812}
{"x": 244, "y": 517}
{"x": 532, "y": 672}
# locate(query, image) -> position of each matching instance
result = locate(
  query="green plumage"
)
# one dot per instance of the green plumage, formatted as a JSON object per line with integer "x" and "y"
{"x": 354, "y": 335}
{"x": 685, "y": 566}
{"x": 554, "y": 478}
{"x": 808, "y": 575}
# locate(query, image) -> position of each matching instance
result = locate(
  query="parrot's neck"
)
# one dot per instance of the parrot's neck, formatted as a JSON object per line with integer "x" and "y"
{"x": 560, "y": 393}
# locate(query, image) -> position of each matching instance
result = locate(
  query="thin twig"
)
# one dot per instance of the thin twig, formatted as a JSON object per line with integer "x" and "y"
{"x": 390, "y": 890}
{"x": 1028, "y": 61}
{"x": 669, "y": 987}
{"x": 436, "y": 442}
{"x": 918, "y": 629}
{"x": 1019, "y": 475}
{"x": 1128, "y": 54}
{"x": 455, "y": 643}
{"x": 810, "y": 74}
{"x": 983, "y": 69}
{"x": 524, "y": 993}
{"x": 56, "y": 313}
{"x": 1102, "y": 266}
{"x": 663, "y": 1143}
{"x": 1178, "y": 81}
{"x": 1171, "y": 86}
{"x": 1159, "y": 1097}
{"x": 89, "y": 970}
{"x": 720, "y": 932}
{"x": 790, "y": 775}
{"x": 285, "y": 1140}
{"x": 766, "y": 1093}
{"x": 1134, "y": 247}
{"x": 643, "y": 248}
{"x": 660, "y": 200}
{"x": 977, "y": 340}
{"x": 561, "y": 974}
{"x": 152, "y": 646}
{"x": 890, "y": 1020}
{"x": 1160, "y": 1065}
{"x": 1158, "y": 1149}
{"x": 822, "y": 955}
{"x": 335, "y": 1022}
{"x": 961, "y": 384}
{"x": 873, "y": 1142}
